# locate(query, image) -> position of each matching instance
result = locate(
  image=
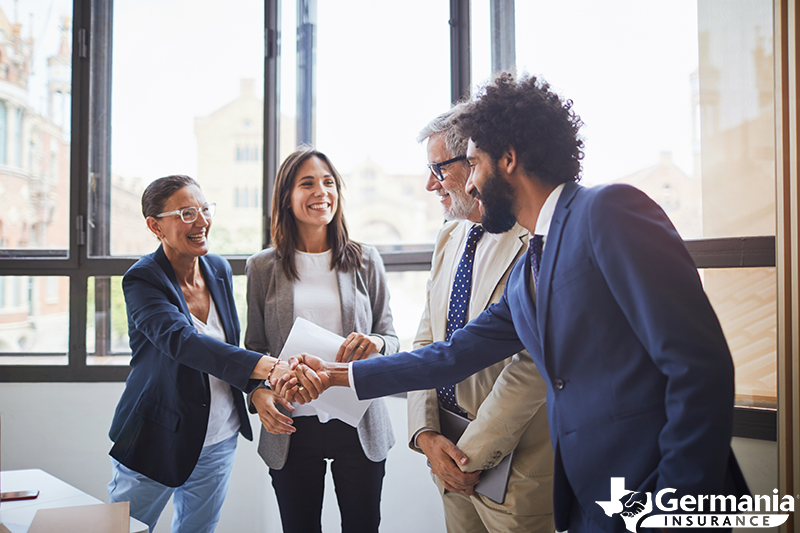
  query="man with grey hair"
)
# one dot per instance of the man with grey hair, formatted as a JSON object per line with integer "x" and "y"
{"x": 504, "y": 402}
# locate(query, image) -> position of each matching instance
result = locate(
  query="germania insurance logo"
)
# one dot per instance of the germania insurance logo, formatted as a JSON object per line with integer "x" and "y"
{"x": 637, "y": 508}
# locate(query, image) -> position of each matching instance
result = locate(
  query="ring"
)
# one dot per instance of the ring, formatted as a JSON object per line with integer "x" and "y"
{"x": 300, "y": 387}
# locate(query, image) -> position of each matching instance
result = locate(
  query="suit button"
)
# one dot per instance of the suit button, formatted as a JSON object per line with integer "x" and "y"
{"x": 559, "y": 383}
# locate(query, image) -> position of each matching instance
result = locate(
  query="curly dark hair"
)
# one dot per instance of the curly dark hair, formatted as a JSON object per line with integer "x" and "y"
{"x": 528, "y": 115}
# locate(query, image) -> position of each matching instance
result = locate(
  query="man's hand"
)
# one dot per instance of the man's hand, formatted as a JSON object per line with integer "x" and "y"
{"x": 309, "y": 379}
{"x": 445, "y": 457}
{"x": 265, "y": 401}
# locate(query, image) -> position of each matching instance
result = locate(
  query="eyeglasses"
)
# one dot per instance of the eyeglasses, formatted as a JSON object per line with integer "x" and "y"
{"x": 189, "y": 214}
{"x": 436, "y": 168}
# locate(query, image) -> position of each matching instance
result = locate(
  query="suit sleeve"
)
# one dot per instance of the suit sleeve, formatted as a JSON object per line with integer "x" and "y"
{"x": 482, "y": 342}
{"x": 655, "y": 282}
{"x": 160, "y": 320}
{"x": 517, "y": 397}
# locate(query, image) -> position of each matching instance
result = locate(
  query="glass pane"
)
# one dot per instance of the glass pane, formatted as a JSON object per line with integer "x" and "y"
{"x": 736, "y": 107}
{"x": 106, "y": 322}
{"x": 188, "y": 103}
{"x": 113, "y": 318}
{"x": 408, "y": 291}
{"x": 35, "y": 85}
{"x": 676, "y": 97}
{"x": 480, "y": 43}
{"x": 34, "y": 320}
{"x": 745, "y": 302}
{"x": 368, "y": 110}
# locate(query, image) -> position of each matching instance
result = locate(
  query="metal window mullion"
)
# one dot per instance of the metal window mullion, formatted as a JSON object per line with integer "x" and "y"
{"x": 77, "y": 323}
{"x": 79, "y": 167}
{"x": 787, "y": 158}
{"x": 306, "y": 71}
{"x": 272, "y": 44}
{"x": 99, "y": 171}
{"x": 503, "y": 35}
{"x": 460, "y": 67}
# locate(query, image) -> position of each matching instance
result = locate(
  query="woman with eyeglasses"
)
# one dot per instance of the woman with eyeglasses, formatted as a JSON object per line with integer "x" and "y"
{"x": 316, "y": 272}
{"x": 176, "y": 425}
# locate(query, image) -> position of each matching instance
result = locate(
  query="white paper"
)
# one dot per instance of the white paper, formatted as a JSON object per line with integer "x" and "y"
{"x": 339, "y": 402}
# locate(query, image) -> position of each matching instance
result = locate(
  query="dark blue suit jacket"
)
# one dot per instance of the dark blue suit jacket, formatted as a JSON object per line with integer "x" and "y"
{"x": 161, "y": 419}
{"x": 640, "y": 378}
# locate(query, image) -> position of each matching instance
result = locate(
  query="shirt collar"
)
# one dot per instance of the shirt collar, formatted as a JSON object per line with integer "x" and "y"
{"x": 547, "y": 212}
{"x": 470, "y": 224}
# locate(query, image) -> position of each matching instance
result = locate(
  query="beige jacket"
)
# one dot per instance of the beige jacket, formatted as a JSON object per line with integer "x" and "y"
{"x": 506, "y": 400}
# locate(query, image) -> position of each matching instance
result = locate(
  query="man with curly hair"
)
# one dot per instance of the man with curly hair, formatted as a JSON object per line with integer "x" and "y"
{"x": 610, "y": 307}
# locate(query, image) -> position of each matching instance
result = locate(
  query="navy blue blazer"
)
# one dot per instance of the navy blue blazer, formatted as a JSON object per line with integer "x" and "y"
{"x": 161, "y": 419}
{"x": 640, "y": 378}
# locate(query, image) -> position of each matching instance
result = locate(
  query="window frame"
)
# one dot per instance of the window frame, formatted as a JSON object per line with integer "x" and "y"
{"x": 90, "y": 168}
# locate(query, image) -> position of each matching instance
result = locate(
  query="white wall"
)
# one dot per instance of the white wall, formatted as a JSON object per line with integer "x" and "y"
{"x": 62, "y": 428}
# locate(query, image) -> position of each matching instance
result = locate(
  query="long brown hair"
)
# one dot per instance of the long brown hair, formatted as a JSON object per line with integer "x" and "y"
{"x": 346, "y": 253}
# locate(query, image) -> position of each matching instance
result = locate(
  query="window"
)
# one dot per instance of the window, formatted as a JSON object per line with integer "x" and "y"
{"x": 677, "y": 98}
{"x": 213, "y": 109}
{"x": 3, "y": 131}
{"x": 34, "y": 316}
{"x": 364, "y": 113}
{"x": 34, "y": 203}
{"x": 687, "y": 115}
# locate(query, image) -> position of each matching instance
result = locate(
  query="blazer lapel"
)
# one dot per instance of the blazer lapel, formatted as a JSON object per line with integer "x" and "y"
{"x": 440, "y": 289}
{"x": 508, "y": 246}
{"x": 551, "y": 248}
{"x": 216, "y": 286}
{"x": 161, "y": 258}
{"x": 284, "y": 306}
{"x": 347, "y": 294}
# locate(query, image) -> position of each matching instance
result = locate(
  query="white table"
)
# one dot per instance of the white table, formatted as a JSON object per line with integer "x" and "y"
{"x": 18, "y": 515}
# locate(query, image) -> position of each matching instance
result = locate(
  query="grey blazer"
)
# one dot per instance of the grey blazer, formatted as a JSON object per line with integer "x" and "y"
{"x": 365, "y": 309}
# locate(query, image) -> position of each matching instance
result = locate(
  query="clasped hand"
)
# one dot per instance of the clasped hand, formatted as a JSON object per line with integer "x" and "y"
{"x": 304, "y": 380}
{"x": 308, "y": 376}
{"x": 301, "y": 381}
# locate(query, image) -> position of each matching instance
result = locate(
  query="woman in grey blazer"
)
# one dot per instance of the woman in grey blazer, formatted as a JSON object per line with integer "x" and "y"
{"x": 314, "y": 271}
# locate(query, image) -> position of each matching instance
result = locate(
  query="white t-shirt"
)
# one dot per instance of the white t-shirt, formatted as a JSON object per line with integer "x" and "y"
{"x": 316, "y": 298}
{"x": 223, "y": 421}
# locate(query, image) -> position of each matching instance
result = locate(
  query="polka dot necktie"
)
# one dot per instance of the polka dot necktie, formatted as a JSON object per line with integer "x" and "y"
{"x": 536, "y": 245}
{"x": 459, "y": 304}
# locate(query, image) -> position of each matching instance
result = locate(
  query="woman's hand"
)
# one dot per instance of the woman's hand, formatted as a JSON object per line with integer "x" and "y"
{"x": 265, "y": 401}
{"x": 358, "y": 346}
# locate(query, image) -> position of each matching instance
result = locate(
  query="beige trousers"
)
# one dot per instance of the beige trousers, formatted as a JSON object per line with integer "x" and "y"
{"x": 468, "y": 514}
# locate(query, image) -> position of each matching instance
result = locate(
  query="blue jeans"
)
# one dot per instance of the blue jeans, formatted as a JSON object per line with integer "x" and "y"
{"x": 197, "y": 502}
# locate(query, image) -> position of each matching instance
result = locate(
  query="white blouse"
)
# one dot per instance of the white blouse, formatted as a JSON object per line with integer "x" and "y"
{"x": 223, "y": 421}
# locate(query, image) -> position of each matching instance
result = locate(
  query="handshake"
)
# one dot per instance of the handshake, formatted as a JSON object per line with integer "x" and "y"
{"x": 304, "y": 377}
{"x": 308, "y": 376}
